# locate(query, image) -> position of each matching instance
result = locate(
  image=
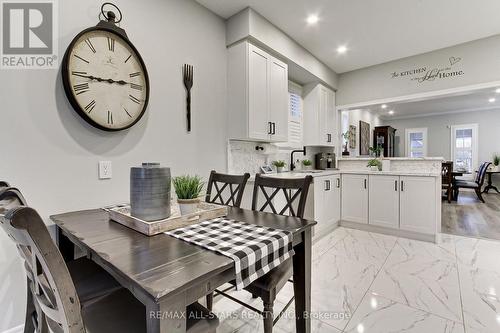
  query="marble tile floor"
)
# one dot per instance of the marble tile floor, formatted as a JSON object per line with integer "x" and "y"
{"x": 367, "y": 282}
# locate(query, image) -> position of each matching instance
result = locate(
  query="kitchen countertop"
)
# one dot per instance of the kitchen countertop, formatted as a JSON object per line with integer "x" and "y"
{"x": 322, "y": 173}
{"x": 392, "y": 158}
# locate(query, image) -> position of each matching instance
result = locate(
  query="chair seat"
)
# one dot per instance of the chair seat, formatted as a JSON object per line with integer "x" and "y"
{"x": 273, "y": 281}
{"x": 90, "y": 280}
{"x": 122, "y": 312}
{"x": 466, "y": 184}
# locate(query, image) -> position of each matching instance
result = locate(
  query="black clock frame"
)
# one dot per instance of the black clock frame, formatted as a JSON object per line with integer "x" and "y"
{"x": 112, "y": 28}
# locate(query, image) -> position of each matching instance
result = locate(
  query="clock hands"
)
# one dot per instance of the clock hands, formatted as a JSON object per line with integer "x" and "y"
{"x": 98, "y": 79}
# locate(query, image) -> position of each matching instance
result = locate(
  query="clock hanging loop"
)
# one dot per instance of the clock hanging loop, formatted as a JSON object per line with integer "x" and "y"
{"x": 109, "y": 15}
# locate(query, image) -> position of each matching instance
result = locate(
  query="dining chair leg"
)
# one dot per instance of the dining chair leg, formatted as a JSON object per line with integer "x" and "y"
{"x": 268, "y": 317}
{"x": 479, "y": 194}
{"x": 210, "y": 301}
{"x": 29, "y": 326}
{"x": 450, "y": 194}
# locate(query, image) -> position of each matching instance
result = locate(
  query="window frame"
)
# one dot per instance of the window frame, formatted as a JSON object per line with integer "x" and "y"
{"x": 474, "y": 146}
{"x": 408, "y": 132}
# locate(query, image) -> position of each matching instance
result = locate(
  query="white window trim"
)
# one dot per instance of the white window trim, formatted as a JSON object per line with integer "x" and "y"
{"x": 475, "y": 146}
{"x": 407, "y": 139}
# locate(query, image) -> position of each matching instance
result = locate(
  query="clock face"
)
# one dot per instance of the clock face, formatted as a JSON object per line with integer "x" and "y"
{"x": 106, "y": 80}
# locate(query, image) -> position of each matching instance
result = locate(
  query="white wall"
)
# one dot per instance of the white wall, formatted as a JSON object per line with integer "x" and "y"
{"x": 439, "y": 135}
{"x": 478, "y": 61}
{"x": 51, "y": 154}
{"x": 354, "y": 117}
{"x": 250, "y": 24}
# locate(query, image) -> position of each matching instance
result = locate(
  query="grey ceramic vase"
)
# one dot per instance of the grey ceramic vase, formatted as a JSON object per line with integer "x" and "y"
{"x": 150, "y": 192}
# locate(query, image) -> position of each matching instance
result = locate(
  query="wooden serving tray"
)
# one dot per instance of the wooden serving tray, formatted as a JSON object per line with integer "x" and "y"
{"x": 205, "y": 211}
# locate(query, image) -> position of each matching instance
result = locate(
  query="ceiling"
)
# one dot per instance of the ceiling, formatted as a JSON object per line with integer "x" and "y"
{"x": 477, "y": 100}
{"x": 373, "y": 31}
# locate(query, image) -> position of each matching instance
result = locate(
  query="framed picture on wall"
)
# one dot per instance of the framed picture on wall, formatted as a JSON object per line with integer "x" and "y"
{"x": 364, "y": 138}
{"x": 352, "y": 137}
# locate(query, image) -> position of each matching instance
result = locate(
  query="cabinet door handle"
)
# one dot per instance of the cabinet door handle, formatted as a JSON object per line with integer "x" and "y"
{"x": 270, "y": 129}
{"x": 338, "y": 182}
{"x": 274, "y": 128}
{"x": 396, "y": 185}
{"x": 328, "y": 138}
{"x": 365, "y": 184}
{"x": 402, "y": 186}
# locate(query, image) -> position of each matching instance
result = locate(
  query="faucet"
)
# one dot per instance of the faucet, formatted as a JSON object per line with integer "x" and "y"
{"x": 292, "y": 165}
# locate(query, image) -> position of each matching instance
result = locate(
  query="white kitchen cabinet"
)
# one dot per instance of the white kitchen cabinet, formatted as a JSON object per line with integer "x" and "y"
{"x": 326, "y": 201}
{"x": 383, "y": 201}
{"x": 320, "y": 117}
{"x": 355, "y": 198}
{"x": 418, "y": 204}
{"x": 257, "y": 95}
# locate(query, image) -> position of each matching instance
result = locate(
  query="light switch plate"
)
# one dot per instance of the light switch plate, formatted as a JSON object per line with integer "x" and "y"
{"x": 105, "y": 170}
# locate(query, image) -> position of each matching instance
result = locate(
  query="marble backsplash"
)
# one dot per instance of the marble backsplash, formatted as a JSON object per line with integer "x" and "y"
{"x": 244, "y": 157}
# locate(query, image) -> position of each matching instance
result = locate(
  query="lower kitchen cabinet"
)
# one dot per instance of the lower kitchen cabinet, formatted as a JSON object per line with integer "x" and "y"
{"x": 418, "y": 204}
{"x": 384, "y": 201}
{"x": 326, "y": 203}
{"x": 355, "y": 198}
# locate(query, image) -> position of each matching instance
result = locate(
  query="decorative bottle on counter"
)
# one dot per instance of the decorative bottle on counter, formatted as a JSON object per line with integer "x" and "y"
{"x": 150, "y": 192}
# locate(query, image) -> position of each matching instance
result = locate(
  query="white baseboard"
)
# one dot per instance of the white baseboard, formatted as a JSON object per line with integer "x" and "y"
{"x": 17, "y": 329}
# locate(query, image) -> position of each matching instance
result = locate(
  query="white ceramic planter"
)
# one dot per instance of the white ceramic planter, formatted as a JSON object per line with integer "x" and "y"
{"x": 373, "y": 168}
{"x": 279, "y": 169}
{"x": 188, "y": 206}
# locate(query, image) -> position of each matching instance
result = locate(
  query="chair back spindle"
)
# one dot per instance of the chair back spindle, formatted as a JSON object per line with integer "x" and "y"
{"x": 294, "y": 190}
{"x": 230, "y": 186}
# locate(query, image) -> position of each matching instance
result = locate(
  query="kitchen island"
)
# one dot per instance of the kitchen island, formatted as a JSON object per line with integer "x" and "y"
{"x": 402, "y": 201}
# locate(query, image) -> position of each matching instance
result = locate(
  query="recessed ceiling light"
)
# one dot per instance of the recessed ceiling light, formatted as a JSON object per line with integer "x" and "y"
{"x": 497, "y": 91}
{"x": 391, "y": 112}
{"x": 384, "y": 106}
{"x": 491, "y": 100}
{"x": 312, "y": 19}
{"x": 342, "y": 49}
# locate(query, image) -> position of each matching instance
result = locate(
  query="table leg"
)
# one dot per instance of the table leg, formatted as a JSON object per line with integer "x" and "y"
{"x": 168, "y": 316}
{"x": 66, "y": 247}
{"x": 302, "y": 283}
{"x": 490, "y": 185}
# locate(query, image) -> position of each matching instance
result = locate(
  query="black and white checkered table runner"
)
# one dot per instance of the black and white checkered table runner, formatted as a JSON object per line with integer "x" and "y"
{"x": 255, "y": 249}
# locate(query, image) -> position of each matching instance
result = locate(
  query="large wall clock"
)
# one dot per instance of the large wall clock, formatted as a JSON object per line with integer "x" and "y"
{"x": 104, "y": 76}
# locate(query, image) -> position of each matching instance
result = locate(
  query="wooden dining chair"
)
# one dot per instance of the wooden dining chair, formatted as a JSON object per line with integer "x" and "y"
{"x": 447, "y": 179}
{"x": 294, "y": 199}
{"x": 476, "y": 185}
{"x": 53, "y": 301}
{"x": 231, "y": 186}
{"x": 227, "y": 190}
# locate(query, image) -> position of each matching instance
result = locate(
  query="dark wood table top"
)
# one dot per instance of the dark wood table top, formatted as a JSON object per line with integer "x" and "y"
{"x": 161, "y": 265}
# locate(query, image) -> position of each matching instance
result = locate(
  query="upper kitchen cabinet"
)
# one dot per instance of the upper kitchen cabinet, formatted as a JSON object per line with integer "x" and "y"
{"x": 320, "y": 117}
{"x": 257, "y": 95}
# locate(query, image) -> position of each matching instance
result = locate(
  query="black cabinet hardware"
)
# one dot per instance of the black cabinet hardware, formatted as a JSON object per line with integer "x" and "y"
{"x": 396, "y": 185}
{"x": 402, "y": 186}
{"x": 366, "y": 184}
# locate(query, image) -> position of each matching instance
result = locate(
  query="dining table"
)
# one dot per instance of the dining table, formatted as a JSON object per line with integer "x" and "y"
{"x": 167, "y": 274}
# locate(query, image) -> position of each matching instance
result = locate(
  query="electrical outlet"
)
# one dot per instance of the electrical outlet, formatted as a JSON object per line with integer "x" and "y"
{"x": 105, "y": 170}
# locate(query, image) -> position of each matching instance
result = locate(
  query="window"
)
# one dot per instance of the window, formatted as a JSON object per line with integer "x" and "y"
{"x": 464, "y": 146}
{"x": 295, "y": 115}
{"x": 416, "y": 142}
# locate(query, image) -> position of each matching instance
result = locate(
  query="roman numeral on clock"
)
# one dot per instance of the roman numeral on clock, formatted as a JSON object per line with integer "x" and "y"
{"x": 128, "y": 114}
{"x": 77, "y": 73}
{"x": 81, "y": 88}
{"x": 111, "y": 44}
{"x": 134, "y": 99}
{"x": 135, "y": 74}
{"x": 136, "y": 86}
{"x": 89, "y": 44}
{"x": 77, "y": 56}
{"x": 90, "y": 106}
{"x": 110, "y": 117}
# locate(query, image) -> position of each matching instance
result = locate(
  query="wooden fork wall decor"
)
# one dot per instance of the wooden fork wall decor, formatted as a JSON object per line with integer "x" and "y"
{"x": 188, "y": 83}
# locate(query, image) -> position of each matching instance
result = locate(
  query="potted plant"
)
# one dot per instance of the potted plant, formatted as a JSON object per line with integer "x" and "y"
{"x": 374, "y": 165}
{"x": 307, "y": 164}
{"x": 347, "y": 137}
{"x": 375, "y": 152}
{"x": 279, "y": 165}
{"x": 496, "y": 162}
{"x": 188, "y": 189}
